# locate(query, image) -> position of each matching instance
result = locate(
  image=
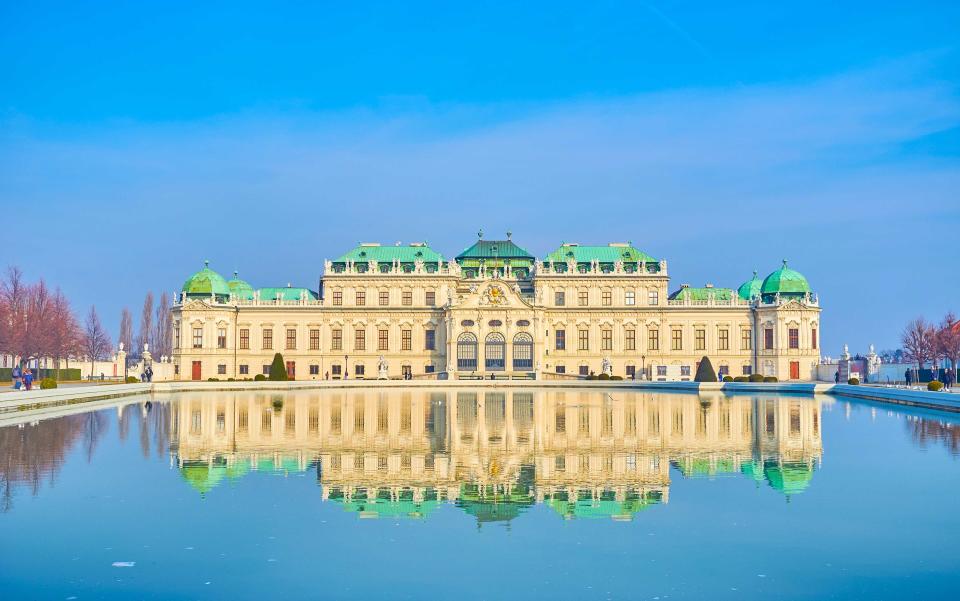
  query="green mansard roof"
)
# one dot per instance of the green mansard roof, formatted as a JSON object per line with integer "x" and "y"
{"x": 387, "y": 254}
{"x": 702, "y": 294}
{"x": 602, "y": 254}
{"x": 288, "y": 294}
{"x": 494, "y": 249}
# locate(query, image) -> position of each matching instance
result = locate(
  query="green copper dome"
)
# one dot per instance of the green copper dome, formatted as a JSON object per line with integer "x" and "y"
{"x": 206, "y": 282}
{"x": 240, "y": 288}
{"x": 750, "y": 289}
{"x": 785, "y": 281}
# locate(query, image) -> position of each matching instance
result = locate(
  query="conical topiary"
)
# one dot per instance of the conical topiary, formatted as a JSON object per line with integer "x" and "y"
{"x": 705, "y": 371}
{"x": 278, "y": 369}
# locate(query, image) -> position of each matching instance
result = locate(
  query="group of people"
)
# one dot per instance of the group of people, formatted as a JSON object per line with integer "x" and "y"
{"x": 147, "y": 375}
{"x": 22, "y": 378}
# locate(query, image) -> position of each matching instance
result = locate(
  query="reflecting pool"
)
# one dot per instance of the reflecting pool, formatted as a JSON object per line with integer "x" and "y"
{"x": 480, "y": 494}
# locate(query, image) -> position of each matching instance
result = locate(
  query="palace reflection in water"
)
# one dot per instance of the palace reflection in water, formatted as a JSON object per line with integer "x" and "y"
{"x": 495, "y": 453}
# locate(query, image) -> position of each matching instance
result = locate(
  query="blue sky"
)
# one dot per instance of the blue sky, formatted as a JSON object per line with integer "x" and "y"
{"x": 138, "y": 139}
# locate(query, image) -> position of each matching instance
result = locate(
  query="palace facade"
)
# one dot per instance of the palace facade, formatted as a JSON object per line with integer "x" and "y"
{"x": 495, "y": 310}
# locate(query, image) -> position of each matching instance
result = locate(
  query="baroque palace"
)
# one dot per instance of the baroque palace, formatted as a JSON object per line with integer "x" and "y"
{"x": 496, "y": 311}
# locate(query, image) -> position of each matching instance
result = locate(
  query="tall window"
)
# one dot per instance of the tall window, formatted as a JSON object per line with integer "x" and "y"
{"x": 359, "y": 340}
{"x": 676, "y": 339}
{"x": 746, "y": 339}
{"x": 723, "y": 339}
{"x": 582, "y": 298}
{"x": 606, "y": 297}
{"x": 384, "y": 298}
{"x": 338, "y": 297}
{"x": 383, "y": 339}
{"x": 315, "y": 340}
{"x": 336, "y": 342}
{"x": 559, "y": 298}
{"x": 291, "y": 339}
{"x": 813, "y": 338}
{"x": 653, "y": 297}
{"x": 630, "y": 298}
{"x": 606, "y": 340}
{"x": 406, "y": 340}
{"x": 583, "y": 340}
{"x": 197, "y": 337}
{"x": 630, "y": 339}
{"x": 361, "y": 298}
{"x": 700, "y": 339}
{"x": 176, "y": 339}
{"x": 267, "y": 339}
{"x": 522, "y": 351}
{"x": 768, "y": 338}
{"x": 495, "y": 351}
{"x": 221, "y": 337}
{"x": 431, "y": 298}
{"x": 244, "y": 338}
{"x": 794, "y": 338}
{"x": 430, "y": 340}
{"x": 467, "y": 352}
{"x": 653, "y": 340}
{"x": 560, "y": 340}
{"x": 407, "y": 297}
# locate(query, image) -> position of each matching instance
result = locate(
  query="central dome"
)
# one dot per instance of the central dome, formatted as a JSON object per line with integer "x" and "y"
{"x": 785, "y": 281}
{"x": 206, "y": 282}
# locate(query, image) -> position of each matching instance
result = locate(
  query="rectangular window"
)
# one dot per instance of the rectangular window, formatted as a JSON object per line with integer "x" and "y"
{"x": 631, "y": 371}
{"x": 197, "y": 337}
{"x": 267, "y": 339}
{"x": 560, "y": 340}
{"x": 244, "y": 338}
{"x": 336, "y": 342}
{"x": 431, "y": 298}
{"x": 583, "y": 340}
{"x": 336, "y": 370}
{"x": 338, "y": 297}
{"x": 653, "y": 340}
{"x": 630, "y": 340}
{"x": 584, "y": 370}
{"x": 630, "y": 298}
{"x": 561, "y": 369}
{"x": 384, "y": 298}
{"x": 747, "y": 370}
{"x": 582, "y": 298}
{"x": 768, "y": 338}
{"x": 407, "y": 298}
{"x": 723, "y": 339}
{"x": 266, "y": 369}
{"x": 685, "y": 370}
{"x": 606, "y": 298}
{"x": 653, "y": 297}
{"x": 794, "y": 338}
{"x": 314, "y": 370}
{"x": 361, "y": 298}
{"x": 291, "y": 339}
{"x": 813, "y": 338}
{"x": 383, "y": 340}
{"x": 244, "y": 370}
{"x": 176, "y": 339}
{"x": 606, "y": 340}
{"x": 430, "y": 340}
{"x": 221, "y": 337}
{"x": 222, "y": 369}
{"x": 359, "y": 370}
{"x": 406, "y": 340}
{"x": 700, "y": 339}
{"x": 661, "y": 370}
{"x": 359, "y": 340}
{"x": 315, "y": 340}
{"x": 746, "y": 339}
{"x": 676, "y": 339}
{"x": 559, "y": 298}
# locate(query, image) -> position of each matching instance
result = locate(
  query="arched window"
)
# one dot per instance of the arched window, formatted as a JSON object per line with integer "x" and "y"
{"x": 522, "y": 352}
{"x": 467, "y": 352}
{"x": 495, "y": 352}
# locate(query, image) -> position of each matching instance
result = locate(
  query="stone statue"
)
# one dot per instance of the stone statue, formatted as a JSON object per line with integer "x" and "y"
{"x": 383, "y": 369}
{"x": 606, "y": 366}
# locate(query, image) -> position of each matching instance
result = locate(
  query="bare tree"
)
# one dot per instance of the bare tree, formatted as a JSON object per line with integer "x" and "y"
{"x": 918, "y": 341}
{"x": 126, "y": 331}
{"x": 96, "y": 342}
{"x": 162, "y": 331}
{"x": 14, "y": 296}
{"x": 146, "y": 324}
{"x": 948, "y": 340}
{"x": 64, "y": 333}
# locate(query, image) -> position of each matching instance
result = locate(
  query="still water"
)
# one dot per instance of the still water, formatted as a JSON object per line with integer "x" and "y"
{"x": 480, "y": 495}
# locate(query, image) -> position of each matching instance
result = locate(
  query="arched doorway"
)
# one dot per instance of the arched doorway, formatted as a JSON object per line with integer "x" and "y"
{"x": 467, "y": 352}
{"x": 522, "y": 352}
{"x": 494, "y": 352}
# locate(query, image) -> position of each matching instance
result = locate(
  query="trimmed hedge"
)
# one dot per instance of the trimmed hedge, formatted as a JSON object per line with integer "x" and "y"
{"x": 770, "y": 379}
{"x": 616, "y": 377}
{"x": 132, "y": 380}
{"x": 740, "y": 379}
{"x": 603, "y": 376}
{"x": 705, "y": 371}
{"x": 6, "y": 374}
{"x": 756, "y": 377}
{"x": 728, "y": 378}
{"x": 259, "y": 378}
{"x": 854, "y": 381}
{"x": 47, "y": 383}
{"x": 278, "y": 370}
{"x": 935, "y": 386}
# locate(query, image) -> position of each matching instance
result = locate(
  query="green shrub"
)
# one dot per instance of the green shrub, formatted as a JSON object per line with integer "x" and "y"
{"x": 603, "y": 376}
{"x": 231, "y": 379}
{"x": 132, "y": 380}
{"x": 756, "y": 377}
{"x": 705, "y": 371}
{"x": 591, "y": 377}
{"x": 740, "y": 379}
{"x": 212, "y": 380}
{"x": 259, "y": 378}
{"x": 728, "y": 378}
{"x": 854, "y": 381}
{"x": 278, "y": 370}
{"x": 933, "y": 385}
{"x": 770, "y": 379}
{"x": 47, "y": 383}
{"x": 616, "y": 377}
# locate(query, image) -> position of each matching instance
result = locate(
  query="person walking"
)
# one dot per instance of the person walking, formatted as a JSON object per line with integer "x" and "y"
{"x": 836, "y": 377}
{"x": 17, "y": 374}
{"x": 28, "y": 379}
